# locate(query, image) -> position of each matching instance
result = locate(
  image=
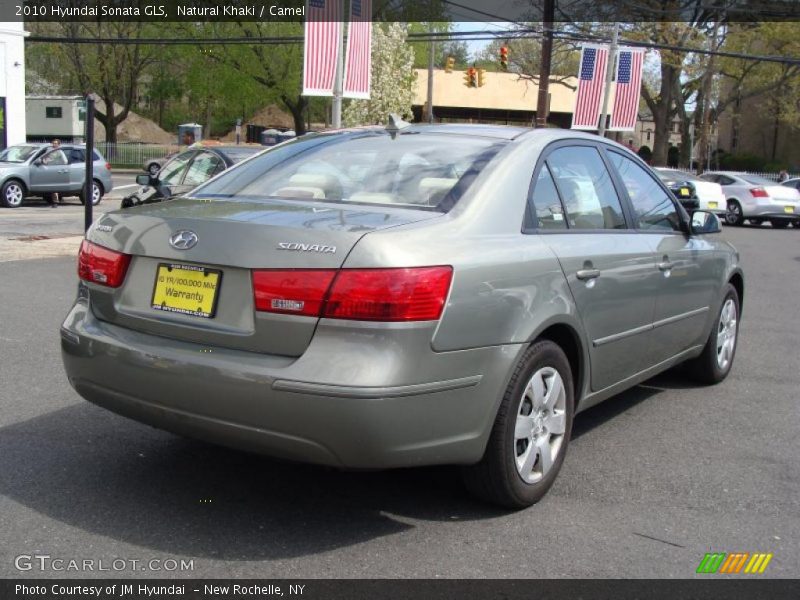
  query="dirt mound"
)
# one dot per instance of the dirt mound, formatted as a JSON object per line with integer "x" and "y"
{"x": 135, "y": 128}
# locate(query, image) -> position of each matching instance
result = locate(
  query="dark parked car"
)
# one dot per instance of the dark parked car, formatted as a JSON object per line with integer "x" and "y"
{"x": 681, "y": 187}
{"x": 187, "y": 170}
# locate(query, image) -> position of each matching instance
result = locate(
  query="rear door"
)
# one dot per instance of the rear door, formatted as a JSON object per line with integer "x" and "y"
{"x": 689, "y": 270}
{"x": 609, "y": 267}
{"x": 77, "y": 168}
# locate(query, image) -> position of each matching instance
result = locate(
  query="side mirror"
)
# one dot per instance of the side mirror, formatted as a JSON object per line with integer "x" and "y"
{"x": 37, "y": 162}
{"x": 144, "y": 179}
{"x": 704, "y": 222}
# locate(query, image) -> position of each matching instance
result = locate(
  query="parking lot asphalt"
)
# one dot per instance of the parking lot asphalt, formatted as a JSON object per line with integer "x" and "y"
{"x": 654, "y": 478}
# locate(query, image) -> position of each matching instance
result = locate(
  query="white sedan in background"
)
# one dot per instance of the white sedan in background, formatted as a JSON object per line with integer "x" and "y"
{"x": 756, "y": 199}
{"x": 709, "y": 194}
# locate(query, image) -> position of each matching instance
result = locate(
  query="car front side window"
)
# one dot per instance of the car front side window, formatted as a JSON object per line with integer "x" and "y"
{"x": 173, "y": 171}
{"x": 54, "y": 158}
{"x": 653, "y": 207}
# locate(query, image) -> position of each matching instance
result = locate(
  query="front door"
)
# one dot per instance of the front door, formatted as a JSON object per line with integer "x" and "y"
{"x": 609, "y": 267}
{"x": 50, "y": 173}
{"x": 688, "y": 267}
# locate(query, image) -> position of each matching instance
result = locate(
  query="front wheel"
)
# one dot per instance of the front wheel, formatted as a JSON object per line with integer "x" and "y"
{"x": 531, "y": 432}
{"x": 714, "y": 364}
{"x": 97, "y": 194}
{"x": 12, "y": 194}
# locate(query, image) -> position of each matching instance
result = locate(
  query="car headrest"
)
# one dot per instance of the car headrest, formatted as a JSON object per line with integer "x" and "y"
{"x": 431, "y": 188}
{"x": 299, "y": 191}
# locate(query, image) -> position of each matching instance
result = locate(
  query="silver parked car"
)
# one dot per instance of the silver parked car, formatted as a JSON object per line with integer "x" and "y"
{"x": 402, "y": 296}
{"x": 755, "y": 198}
{"x": 41, "y": 170}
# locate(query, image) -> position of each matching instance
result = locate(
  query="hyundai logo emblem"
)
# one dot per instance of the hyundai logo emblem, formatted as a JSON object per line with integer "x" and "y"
{"x": 183, "y": 239}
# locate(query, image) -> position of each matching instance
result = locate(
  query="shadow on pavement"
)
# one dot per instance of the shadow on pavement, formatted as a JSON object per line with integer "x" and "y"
{"x": 109, "y": 476}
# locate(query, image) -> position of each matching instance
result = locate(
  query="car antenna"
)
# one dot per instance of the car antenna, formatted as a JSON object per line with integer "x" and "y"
{"x": 395, "y": 124}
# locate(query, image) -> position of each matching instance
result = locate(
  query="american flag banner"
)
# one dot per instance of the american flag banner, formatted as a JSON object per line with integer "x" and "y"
{"x": 358, "y": 60}
{"x": 629, "y": 82}
{"x": 591, "y": 81}
{"x": 322, "y": 31}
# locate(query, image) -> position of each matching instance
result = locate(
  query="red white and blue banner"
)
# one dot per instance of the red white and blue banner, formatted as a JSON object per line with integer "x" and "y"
{"x": 358, "y": 60}
{"x": 629, "y": 84}
{"x": 591, "y": 82}
{"x": 322, "y": 31}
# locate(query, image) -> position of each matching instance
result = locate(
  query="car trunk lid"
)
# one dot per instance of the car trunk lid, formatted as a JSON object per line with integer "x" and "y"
{"x": 232, "y": 239}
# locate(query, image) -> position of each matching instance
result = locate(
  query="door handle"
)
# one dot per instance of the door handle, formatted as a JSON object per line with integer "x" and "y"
{"x": 587, "y": 274}
{"x": 665, "y": 265}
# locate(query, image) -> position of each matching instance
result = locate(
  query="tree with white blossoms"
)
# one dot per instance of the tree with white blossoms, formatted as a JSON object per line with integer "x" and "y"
{"x": 391, "y": 80}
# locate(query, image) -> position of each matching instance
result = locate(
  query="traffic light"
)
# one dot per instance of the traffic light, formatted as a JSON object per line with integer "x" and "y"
{"x": 449, "y": 64}
{"x": 504, "y": 58}
{"x": 470, "y": 77}
{"x": 481, "y": 77}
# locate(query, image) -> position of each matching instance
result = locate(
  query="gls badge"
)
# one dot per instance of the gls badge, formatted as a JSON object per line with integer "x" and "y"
{"x": 298, "y": 247}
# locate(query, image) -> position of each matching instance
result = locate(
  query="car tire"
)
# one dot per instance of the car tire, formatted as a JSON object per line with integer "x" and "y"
{"x": 97, "y": 194}
{"x": 779, "y": 223}
{"x": 734, "y": 214}
{"x": 12, "y": 194}
{"x": 153, "y": 169}
{"x": 534, "y": 421}
{"x": 710, "y": 368}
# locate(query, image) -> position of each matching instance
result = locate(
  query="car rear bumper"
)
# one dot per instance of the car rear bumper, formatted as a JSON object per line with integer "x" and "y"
{"x": 334, "y": 416}
{"x": 773, "y": 211}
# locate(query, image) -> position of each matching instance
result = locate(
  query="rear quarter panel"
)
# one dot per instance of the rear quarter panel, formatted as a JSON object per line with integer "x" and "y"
{"x": 507, "y": 286}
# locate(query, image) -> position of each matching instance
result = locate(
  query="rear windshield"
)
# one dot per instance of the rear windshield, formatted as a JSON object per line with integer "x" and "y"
{"x": 416, "y": 170}
{"x": 18, "y": 154}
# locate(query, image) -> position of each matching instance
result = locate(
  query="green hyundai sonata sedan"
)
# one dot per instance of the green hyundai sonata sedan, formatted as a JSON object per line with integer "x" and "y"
{"x": 401, "y": 296}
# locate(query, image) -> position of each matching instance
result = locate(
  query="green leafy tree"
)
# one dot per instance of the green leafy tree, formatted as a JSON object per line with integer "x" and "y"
{"x": 391, "y": 80}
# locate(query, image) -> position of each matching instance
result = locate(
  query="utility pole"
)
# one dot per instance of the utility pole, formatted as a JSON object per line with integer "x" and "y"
{"x": 338, "y": 81}
{"x": 612, "y": 59}
{"x": 431, "y": 52}
{"x": 705, "y": 122}
{"x": 88, "y": 184}
{"x": 544, "y": 69}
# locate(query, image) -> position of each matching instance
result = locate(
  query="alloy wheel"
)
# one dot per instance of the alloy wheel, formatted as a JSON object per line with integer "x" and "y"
{"x": 14, "y": 195}
{"x": 540, "y": 426}
{"x": 726, "y": 334}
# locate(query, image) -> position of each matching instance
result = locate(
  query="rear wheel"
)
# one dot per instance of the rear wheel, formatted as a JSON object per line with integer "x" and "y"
{"x": 97, "y": 194}
{"x": 12, "y": 194}
{"x": 734, "y": 215}
{"x": 714, "y": 364}
{"x": 531, "y": 432}
{"x": 779, "y": 223}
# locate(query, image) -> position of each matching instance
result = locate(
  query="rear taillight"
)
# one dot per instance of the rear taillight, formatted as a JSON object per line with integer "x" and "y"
{"x": 295, "y": 292}
{"x": 101, "y": 265}
{"x": 108, "y": 166}
{"x": 400, "y": 294}
{"x": 411, "y": 294}
{"x": 758, "y": 192}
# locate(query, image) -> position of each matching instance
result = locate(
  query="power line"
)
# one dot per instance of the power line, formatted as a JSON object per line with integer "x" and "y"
{"x": 474, "y": 36}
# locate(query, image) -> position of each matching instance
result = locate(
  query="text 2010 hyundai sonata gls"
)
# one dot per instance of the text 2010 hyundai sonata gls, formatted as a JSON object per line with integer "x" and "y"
{"x": 400, "y": 296}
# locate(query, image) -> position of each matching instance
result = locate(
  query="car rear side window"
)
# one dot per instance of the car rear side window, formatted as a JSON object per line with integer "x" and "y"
{"x": 545, "y": 205}
{"x": 653, "y": 207}
{"x": 585, "y": 186}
